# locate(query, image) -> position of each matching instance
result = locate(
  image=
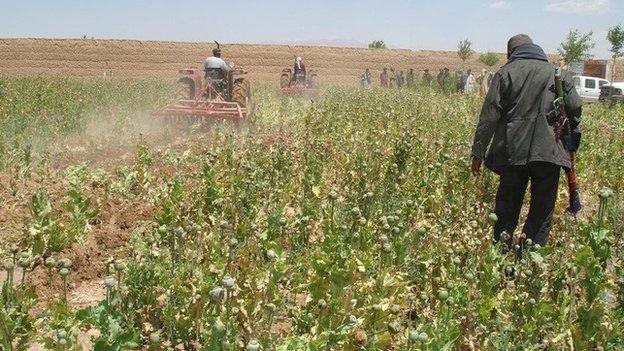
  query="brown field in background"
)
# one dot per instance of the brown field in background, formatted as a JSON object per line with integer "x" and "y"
{"x": 90, "y": 58}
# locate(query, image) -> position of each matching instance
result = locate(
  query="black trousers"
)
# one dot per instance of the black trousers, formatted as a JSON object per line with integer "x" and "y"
{"x": 544, "y": 178}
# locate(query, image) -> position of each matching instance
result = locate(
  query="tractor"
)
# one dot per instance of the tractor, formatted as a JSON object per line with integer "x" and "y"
{"x": 293, "y": 86}
{"x": 215, "y": 96}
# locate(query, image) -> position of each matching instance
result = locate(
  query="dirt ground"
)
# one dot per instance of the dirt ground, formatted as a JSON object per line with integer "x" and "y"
{"x": 119, "y": 218}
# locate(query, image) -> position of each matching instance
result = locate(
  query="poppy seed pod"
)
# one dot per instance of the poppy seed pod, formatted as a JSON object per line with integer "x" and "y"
{"x": 228, "y": 282}
{"x": 253, "y": 345}
{"x": 8, "y": 266}
{"x": 493, "y": 217}
{"x": 443, "y": 295}
{"x": 110, "y": 282}
{"x": 120, "y": 266}
{"x": 154, "y": 338}
{"x": 322, "y": 303}
{"x": 49, "y": 262}
{"x": 332, "y": 195}
{"x": 216, "y": 294}
{"x": 271, "y": 254}
{"x": 23, "y": 262}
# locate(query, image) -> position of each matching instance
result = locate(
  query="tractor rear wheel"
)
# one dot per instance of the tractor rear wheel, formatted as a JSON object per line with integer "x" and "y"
{"x": 284, "y": 81}
{"x": 241, "y": 93}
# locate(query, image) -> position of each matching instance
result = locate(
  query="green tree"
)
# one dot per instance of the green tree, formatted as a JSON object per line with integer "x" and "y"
{"x": 377, "y": 44}
{"x": 616, "y": 38}
{"x": 576, "y": 47}
{"x": 489, "y": 58}
{"x": 464, "y": 50}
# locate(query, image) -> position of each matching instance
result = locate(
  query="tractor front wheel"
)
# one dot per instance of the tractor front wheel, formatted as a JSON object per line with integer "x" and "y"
{"x": 284, "y": 81}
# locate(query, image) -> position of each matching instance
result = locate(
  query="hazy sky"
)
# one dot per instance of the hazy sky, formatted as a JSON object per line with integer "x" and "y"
{"x": 409, "y": 24}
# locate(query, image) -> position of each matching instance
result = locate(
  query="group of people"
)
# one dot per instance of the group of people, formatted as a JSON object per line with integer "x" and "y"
{"x": 390, "y": 79}
{"x": 465, "y": 81}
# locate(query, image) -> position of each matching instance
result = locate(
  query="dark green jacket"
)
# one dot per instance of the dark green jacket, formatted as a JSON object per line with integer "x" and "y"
{"x": 514, "y": 116}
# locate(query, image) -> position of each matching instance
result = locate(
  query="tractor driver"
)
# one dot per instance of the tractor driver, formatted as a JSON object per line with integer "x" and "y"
{"x": 215, "y": 68}
{"x": 300, "y": 71}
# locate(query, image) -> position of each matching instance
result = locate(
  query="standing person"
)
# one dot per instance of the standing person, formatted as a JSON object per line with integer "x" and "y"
{"x": 446, "y": 76}
{"x": 485, "y": 82}
{"x": 489, "y": 76}
{"x": 300, "y": 71}
{"x": 367, "y": 79}
{"x": 400, "y": 81}
{"x": 461, "y": 80}
{"x": 471, "y": 83}
{"x": 480, "y": 82}
{"x": 524, "y": 146}
{"x": 392, "y": 78}
{"x": 427, "y": 78}
{"x": 440, "y": 78}
{"x": 383, "y": 78}
{"x": 410, "y": 78}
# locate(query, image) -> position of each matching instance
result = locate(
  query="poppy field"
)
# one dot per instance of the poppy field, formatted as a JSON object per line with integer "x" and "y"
{"x": 346, "y": 223}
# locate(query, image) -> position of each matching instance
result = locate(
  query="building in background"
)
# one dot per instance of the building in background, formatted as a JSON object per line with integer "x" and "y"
{"x": 598, "y": 69}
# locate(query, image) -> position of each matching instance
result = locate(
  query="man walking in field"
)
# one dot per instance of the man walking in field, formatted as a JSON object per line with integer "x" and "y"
{"x": 522, "y": 144}
{"x": 393, "y": 78}
{"x": 427, "y": 78}
{"x": 484, "y": 82}
{"x": 461, "y": 82}
{"x": 400, "y": 80}
{"x": 410, "y": 78}
{"x": 471, "y": 83}
{"x": 443, "y": 78}
{"x": 383, "y": 78}
{"x": 440, "y": 78}
{"x": 366, "y": 79}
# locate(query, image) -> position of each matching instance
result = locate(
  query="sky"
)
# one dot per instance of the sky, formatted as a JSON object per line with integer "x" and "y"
{"x": 406, "y": 24}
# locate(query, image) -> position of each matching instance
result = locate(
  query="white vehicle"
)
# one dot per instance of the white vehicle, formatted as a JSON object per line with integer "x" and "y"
{"x": 589, "y": 87}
